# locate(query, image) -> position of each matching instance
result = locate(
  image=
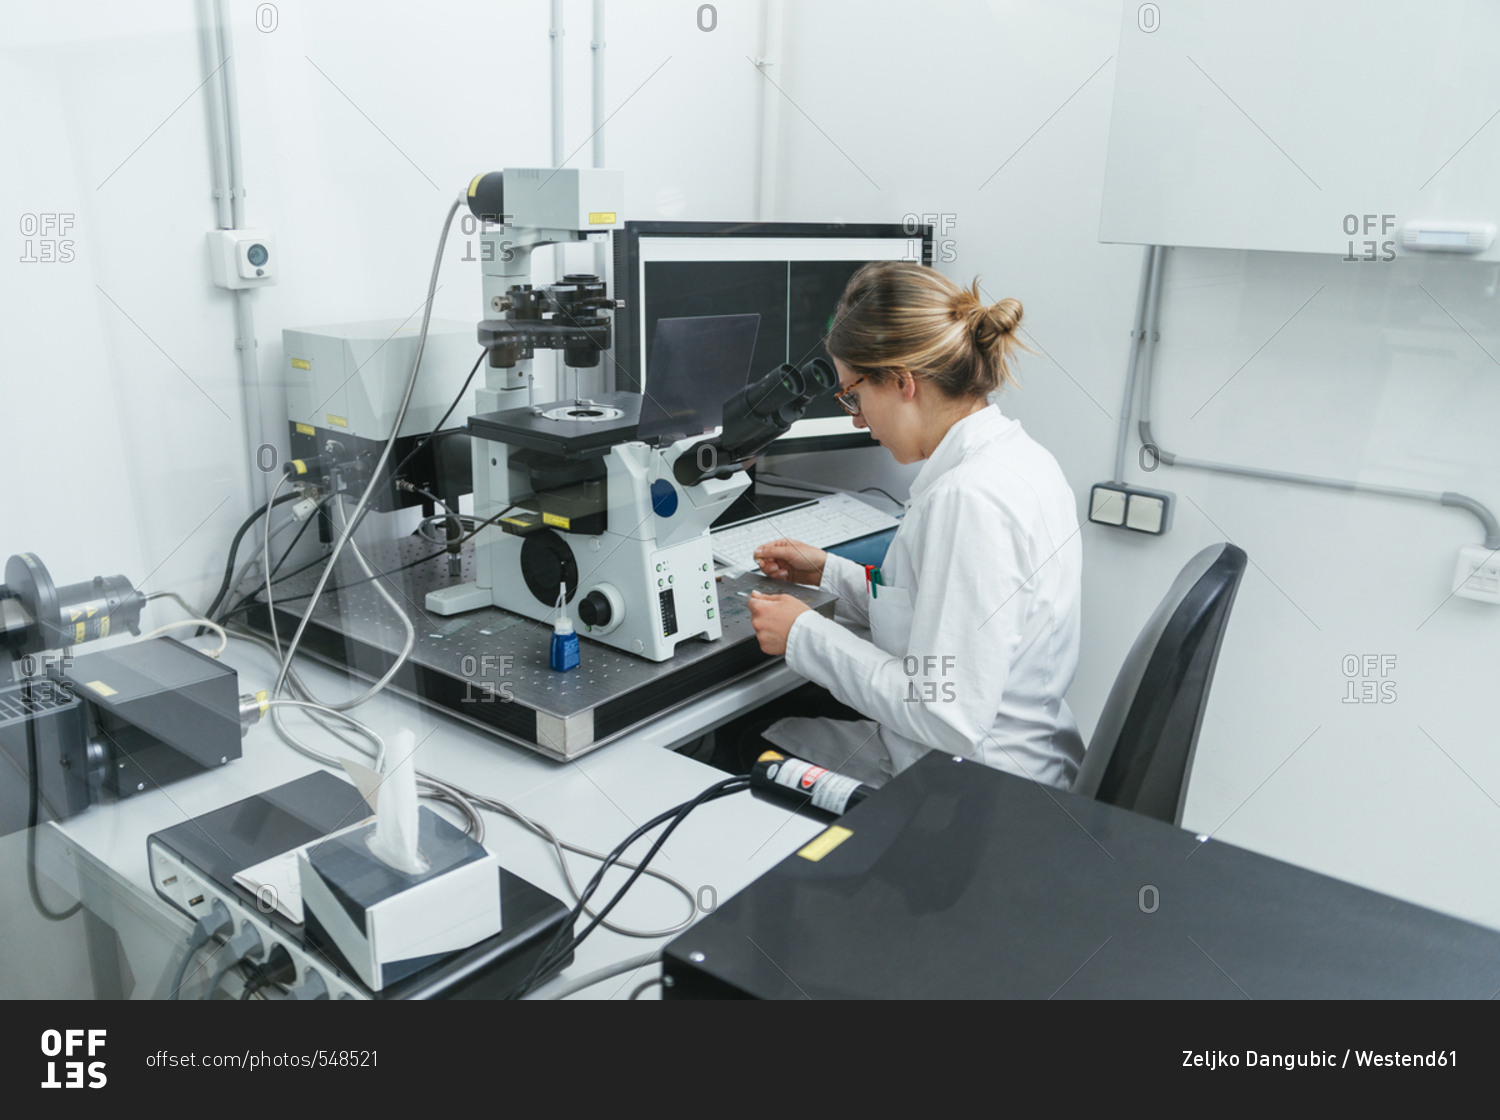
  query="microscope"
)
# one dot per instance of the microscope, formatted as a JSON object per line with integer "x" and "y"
{"x": 587, "y": 517}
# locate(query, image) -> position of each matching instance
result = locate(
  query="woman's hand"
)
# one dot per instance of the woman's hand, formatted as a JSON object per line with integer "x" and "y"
{"x": 772, "y": 616}
{"x": 792, "y": 561}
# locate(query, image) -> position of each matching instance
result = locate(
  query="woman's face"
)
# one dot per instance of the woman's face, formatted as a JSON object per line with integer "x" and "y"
{"x": 886, "y": 410}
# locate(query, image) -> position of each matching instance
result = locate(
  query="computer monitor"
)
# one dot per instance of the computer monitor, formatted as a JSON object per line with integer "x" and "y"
{"x": 789, "y": 273}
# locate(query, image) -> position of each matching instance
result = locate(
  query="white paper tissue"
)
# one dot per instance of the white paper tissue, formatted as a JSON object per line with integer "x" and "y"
{"x": 394, "y": 840}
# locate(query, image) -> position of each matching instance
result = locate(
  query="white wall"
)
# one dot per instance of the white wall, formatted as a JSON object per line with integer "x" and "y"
{"x": 994, "y": 113}
{"x": 361, "y": 121}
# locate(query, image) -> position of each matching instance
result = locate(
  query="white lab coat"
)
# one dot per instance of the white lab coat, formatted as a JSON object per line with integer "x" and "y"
{"x": 972, "y": 641}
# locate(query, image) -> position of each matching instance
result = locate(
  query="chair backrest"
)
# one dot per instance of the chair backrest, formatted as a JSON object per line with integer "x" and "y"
{"x": 1142, "y": 749}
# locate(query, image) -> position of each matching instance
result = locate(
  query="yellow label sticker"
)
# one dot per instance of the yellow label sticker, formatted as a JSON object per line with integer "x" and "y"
{"x": 74, "y": 615}
{"x": 827, "y": 840}
{"x": 79, "y": 631}
{"x": 306, "y": 430}
{"x": 555, "y": 521}
{"x": 300, "y": 465}
{"x": 337, "y": 421}
{"x": 92, "y": 611}
{"x": 521, "y": 521}
{"x": 474, "y": 184}
{"x": 264, "y": 698}
{"x": 301, "y": 363}
{"x": 601, "y": 217}
{"x": 104, "y": 627}
{"x": 101, "y": 688}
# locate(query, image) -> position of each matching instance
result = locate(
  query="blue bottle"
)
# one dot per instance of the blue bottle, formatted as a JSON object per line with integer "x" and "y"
{"x": 564, "y": 645}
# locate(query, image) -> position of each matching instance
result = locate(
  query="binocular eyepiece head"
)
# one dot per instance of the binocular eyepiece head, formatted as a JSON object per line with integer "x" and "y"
{"x": 782, "y": 396}
{"x": 757, "y": 416}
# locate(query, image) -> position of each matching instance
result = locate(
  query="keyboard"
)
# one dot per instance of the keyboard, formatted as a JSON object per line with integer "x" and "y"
{"x": 827, "y": 522}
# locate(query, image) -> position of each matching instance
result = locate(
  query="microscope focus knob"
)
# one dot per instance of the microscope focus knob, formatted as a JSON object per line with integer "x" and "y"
{"x": 595, "y": 610}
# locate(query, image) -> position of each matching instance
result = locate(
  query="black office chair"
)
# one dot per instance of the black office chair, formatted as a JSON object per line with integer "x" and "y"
{"x": 1142, "y": 749}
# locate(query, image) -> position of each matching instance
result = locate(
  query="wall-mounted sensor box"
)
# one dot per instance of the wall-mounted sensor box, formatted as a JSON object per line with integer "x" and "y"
{"x": 243, "y": 258}
{"x": 1129, "y": 507}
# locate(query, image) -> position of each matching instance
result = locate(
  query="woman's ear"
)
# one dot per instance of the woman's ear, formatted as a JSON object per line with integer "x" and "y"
{"x": 906, "y": 382}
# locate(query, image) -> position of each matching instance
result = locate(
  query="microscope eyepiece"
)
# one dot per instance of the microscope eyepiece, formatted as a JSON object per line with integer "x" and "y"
{"x": 759, "y": 414}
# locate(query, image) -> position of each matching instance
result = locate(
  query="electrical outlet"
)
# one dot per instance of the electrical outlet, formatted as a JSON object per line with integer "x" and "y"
{"x": 1131, "y": 507}
{"x": 1478, "y": 574}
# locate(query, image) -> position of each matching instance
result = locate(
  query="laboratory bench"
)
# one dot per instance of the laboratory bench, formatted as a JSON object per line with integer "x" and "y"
{"x": 127, "y": 940}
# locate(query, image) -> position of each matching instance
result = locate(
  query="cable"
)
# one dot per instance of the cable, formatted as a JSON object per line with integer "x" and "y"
{"x": 242, "y": 947}
{"x": 248, "y": 598}
{"x": 212, "y": 924}
{"x": 556, "y": 954}
{"x": 464, "y": 800}
{"x": 333, "y": 713}
{"x": 32, "y": 806}
{"x": 437, "y": 789}
{"x": 204, "y": 623}
{"x": 312, "y": 517}
{"x": 636, "y": 992}
{"x": 878, "y": 490}
{"x": 266, "y": 556}
{"x": 437, "y": 429}
{"x": 794, "y": 483}
{"x": 176, "y": 598}
{"x": 411, "y": 633}
{"x": 449, "y": 541}
{"x": 234, "y": 548}
{"x": 278, "y": 969}
{"x": 385, "y": 454}
{"x": 599, "y": 975}
{"x": 816, "y": 488}
{"x": 480, "y": 527}
{"x": 254, "y": 558}
{"x": 401, "y": 615}
{"x": 560, "y": 845}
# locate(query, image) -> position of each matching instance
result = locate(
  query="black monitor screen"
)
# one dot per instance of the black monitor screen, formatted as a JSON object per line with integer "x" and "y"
{"x": 790, "y": 274}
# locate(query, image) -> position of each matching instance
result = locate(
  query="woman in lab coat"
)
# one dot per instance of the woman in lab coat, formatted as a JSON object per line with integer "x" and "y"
{"x": 966, "y": 638}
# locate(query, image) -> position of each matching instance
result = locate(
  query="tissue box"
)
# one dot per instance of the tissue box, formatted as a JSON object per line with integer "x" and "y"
{"x": 389, "y": 924}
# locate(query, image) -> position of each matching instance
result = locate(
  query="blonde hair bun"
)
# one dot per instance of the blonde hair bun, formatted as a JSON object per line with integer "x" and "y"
{"x": 903, "y": 316}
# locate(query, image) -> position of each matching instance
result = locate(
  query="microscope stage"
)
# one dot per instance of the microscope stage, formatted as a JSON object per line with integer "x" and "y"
{"x": 572, "y": 439}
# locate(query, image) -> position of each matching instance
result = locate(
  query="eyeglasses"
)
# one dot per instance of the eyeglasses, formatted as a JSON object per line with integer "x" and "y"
{"x": 849, "y": 404}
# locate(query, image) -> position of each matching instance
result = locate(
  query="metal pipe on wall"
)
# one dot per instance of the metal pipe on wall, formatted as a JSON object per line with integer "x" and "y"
{"x": 773, "y": 23}
{"x": 596, "y": 123}
{"x": 219, "y": 157}
{"x": 229, "y": 189}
